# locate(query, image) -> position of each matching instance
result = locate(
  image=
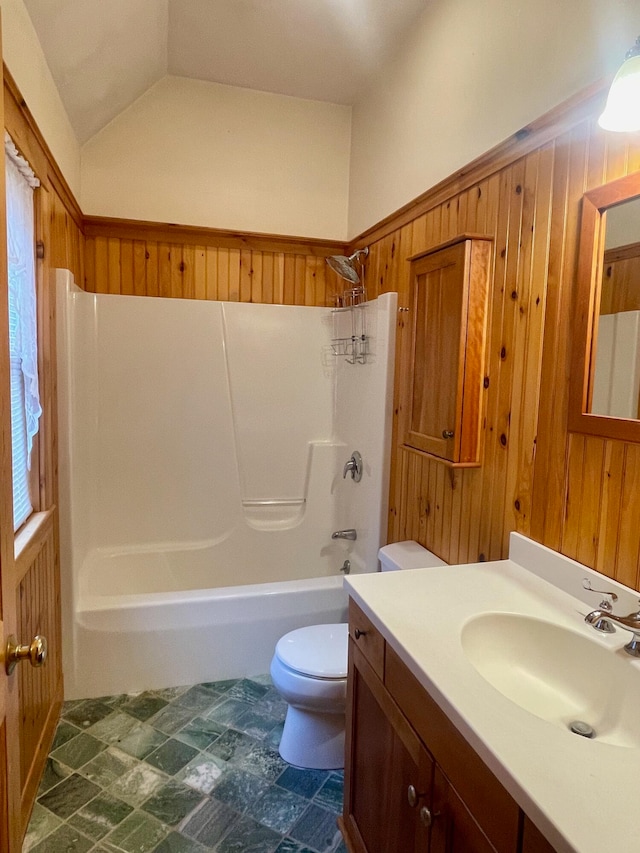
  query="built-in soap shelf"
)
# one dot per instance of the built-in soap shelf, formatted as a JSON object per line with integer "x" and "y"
{"x": 279, "y": 514}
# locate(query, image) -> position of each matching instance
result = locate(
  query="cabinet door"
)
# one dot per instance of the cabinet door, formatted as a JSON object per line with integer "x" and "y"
{"x": 439, "y": 318}
{"x": 442, "y": 394}
{"x": 454, "y": 828}
{"x": 384, "y": 758}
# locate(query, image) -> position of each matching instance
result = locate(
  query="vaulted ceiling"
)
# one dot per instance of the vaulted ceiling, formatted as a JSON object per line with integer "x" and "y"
{"x": 104, "y": 54}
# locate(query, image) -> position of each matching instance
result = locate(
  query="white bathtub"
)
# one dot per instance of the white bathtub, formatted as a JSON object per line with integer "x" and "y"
{"x": 154, "y": 639}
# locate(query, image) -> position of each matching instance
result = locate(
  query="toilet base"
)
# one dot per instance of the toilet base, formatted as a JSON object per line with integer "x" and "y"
{"x": 313, "y": 740}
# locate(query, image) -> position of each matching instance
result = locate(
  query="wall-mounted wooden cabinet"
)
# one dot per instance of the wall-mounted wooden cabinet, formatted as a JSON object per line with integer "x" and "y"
{"x": 443, "y": 387}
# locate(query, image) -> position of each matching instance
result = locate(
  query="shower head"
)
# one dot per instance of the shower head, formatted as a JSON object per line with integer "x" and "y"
{"x": 345, "y": 266}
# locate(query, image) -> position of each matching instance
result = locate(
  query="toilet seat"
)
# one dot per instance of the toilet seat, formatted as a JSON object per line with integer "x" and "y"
{"x": 316, "y": 651}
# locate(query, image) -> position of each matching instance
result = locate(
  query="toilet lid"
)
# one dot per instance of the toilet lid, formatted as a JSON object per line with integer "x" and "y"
{"x": 317, "y": 650}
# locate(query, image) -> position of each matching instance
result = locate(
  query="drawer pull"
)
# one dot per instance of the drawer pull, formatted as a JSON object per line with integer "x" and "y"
{"x": 358, "y": 633}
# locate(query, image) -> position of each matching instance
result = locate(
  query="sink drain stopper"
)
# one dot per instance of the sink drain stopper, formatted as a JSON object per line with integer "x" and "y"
{"x": 578, "y": 727}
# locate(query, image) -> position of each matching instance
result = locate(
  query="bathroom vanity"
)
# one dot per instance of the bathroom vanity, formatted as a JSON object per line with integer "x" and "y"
{"x": 449, "y": 747}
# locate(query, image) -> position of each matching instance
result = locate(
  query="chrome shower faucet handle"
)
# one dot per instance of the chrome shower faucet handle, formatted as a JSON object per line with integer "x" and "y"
{"x": 354, "y": 465}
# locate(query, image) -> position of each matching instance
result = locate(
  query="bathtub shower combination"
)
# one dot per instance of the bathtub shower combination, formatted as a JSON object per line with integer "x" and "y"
{"x": 202, "y": 447}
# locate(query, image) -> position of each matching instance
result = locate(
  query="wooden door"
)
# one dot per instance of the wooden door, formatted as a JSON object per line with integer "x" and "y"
{"x": 384, "y": 758}
{"x": 439, "y": 320}
{"x": 10, "y": 786}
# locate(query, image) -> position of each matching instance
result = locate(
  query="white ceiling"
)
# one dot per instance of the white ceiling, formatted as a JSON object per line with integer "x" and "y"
{"x": 104, "y": 54}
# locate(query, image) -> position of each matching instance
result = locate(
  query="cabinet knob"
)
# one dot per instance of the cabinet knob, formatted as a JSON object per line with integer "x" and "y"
{"x": 358, "y": 633}
{"x": 425, "y": 816}
{"x": 413, "y": 796}
{"x": 447, "y": 433}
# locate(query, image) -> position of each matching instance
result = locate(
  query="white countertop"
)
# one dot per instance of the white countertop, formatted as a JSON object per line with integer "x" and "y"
{"x": 579, "y": 792}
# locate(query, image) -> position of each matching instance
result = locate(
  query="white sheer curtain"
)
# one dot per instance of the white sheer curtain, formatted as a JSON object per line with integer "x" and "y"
{"x": 23, "y": 324}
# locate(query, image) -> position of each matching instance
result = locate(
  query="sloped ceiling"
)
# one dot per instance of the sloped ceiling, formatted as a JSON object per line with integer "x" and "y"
{"x": 104, "y": 54}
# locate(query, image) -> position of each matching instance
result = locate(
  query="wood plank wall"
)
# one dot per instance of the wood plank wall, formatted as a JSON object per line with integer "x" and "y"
{"x": 577, "y": 495}
{"x": 206, "y": 264}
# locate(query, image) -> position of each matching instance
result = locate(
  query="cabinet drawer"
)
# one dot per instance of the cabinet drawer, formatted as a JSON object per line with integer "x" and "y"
{"x": 367, "y": 638}
{"x": 495, "y": 811}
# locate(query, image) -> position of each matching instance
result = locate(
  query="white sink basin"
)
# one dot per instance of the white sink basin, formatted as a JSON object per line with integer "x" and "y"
{"x": 557, "y": 674}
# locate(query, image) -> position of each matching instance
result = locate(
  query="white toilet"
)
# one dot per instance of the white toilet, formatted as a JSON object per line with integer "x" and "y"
{"x": 309, "y": 670}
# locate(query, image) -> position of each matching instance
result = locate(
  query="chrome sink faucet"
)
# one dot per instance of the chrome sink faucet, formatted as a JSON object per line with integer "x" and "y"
{"x": 631, "y": 622}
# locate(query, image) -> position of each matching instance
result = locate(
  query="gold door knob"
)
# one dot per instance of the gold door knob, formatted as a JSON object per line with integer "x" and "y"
{"x": 35, "y": 652}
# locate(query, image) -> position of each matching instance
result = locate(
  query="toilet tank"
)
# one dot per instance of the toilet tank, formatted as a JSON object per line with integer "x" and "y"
{"x": 407, "y": 555}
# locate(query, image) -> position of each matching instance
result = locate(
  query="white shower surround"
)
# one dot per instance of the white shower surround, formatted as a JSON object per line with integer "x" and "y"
{"x": 177, "y": 418}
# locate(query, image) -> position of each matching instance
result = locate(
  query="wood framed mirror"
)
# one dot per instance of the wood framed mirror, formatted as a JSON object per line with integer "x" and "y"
{"x": 604, "y": 396}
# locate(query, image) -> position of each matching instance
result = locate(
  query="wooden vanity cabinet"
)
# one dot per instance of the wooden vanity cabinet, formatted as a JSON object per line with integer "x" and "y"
{"x": 443, "y": 387}
{"x": 412, "y": 782}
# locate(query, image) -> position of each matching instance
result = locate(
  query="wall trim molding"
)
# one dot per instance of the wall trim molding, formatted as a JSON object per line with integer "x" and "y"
{"x": 580, "y": 107}
{"x": 16, "y": 105}
{"x": 163, "y": 232}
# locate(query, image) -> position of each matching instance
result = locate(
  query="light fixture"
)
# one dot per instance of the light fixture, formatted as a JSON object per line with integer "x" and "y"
{"x": 622, "y": 111}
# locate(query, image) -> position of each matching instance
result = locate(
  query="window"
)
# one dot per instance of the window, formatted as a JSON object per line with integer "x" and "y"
{"x": 23, "y": 325}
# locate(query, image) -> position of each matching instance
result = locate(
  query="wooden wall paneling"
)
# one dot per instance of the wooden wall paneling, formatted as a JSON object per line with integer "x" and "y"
{"x": 470, "y": 550}
{"x": 520, "y": 496}
{"x": 592, "y": 486}
{"x": 188, "y": 271}
{"x": 506, "y": 366}
{"x": 268, "y": 262}
{"x": 288, "y": 291}
{"x": 309, "y": 281}
{"x": 114, "y": 255}
{"x": 573, "y": 495}
{"x": 139, "y": 268}
{"x": 246, "y": 276}
{"x": 495, "y": 350}
{"x": 101, "y": 266}
{"x": 90, "y": 265}
{"x": 323, "y": 295}
{"x": 256, "y": 277}
{"x": 617, "y": 151}
{"x": 528, "y": 298}
{"x": 152, "y": 269}
{"x": 206, "y": 272}
{"x": 456, "y": 484}
{"x": 223, "y": 275}
{"x": 233, "y": 292}
{"x": 626, "y": 568}
{"x": 176, "y": 270}
{"x": 300, "y": 279}
{"x": 633, "y": 154}
{"x": 164, "y": 270}
{"x": 126, "y": 268}
{"x": 611, "y": 485}
{"x": 549, "y": 471}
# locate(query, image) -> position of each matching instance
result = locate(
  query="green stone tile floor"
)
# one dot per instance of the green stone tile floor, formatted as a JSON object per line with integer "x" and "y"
{"x": 183, "y": 770}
